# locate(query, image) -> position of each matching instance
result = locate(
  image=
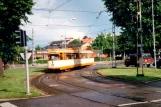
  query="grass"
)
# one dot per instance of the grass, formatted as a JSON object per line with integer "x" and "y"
{"x": 13, "y": 84}
{"x": 130, "y": 73}
{"x": 41, "y": 61}
{"x": 97, "y": 59}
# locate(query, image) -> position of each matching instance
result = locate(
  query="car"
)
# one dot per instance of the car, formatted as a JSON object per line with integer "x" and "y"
{"x": 132, "y": 60}
{"x": 158, "y": 63}
{"x": 147, "y": 59}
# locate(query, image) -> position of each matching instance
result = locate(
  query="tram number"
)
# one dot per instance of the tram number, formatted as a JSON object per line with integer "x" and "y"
{"x": 52, "y": 64}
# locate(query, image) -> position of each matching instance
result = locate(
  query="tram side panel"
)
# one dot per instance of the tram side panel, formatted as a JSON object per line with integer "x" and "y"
{"x": 86, "y": 62}
{"x": 67, "y": 64}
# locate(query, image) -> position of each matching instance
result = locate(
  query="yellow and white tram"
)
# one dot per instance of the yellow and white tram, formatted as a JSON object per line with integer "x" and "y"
{"x": 63, "y": 59}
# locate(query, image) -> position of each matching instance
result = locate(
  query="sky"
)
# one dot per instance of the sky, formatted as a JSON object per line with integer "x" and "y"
{"x": 59, "y": 19}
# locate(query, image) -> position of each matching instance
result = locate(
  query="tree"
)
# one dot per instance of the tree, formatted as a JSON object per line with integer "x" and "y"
{"x": 124, "y": 16}
{"x": 12, "y": 12}
{"x": 103, "y": 41}
{"x": 75, "y": 41}
{"x": 38, "y": 47}
{"x": 126, "y": 43}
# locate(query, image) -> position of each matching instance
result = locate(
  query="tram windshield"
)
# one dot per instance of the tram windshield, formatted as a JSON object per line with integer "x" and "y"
{"x": 54, "y": 57}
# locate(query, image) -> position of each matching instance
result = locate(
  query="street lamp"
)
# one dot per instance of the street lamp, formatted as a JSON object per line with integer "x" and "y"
{"x": 64, "y": 32}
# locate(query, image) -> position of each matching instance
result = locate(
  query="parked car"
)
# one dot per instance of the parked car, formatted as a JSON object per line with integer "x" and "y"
{"x": 158, "y": 63}
{"x": 132, "y": 60}
{"x": 147, "y": 59}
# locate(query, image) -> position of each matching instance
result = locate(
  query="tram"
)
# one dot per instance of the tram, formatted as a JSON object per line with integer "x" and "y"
{"x": 64, "y": 59}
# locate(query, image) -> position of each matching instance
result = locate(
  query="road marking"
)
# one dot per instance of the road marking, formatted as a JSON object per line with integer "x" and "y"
{"x": 7, "y": 104}
{"x": 54, "y": 85}
{"x": 154, "y": 101}
{"x": 89, "y": 82}
{"x": 63, "y": 77}
{"x": 158, "y": 91}
{"x": 128, "y": 104}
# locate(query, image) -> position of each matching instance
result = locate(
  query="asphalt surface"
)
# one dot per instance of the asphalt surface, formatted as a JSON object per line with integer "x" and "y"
{"x": 85, "y": 88}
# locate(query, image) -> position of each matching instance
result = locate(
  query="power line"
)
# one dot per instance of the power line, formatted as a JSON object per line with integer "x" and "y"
{"x": 59, "y": 6}
{"x": 95, "y": 12}
{"x": 89, "y": 33}
{"x": 94, "y": 21}
{"x": 56, "y": 8}
{"x": 71, "y": 26}
{"x": 99, "y": 31}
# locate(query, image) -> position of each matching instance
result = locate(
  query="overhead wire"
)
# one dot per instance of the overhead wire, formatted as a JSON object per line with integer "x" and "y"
{"x": 56, "y": 8}
{"x": 99, "y": 31}
{"x": 71, "y": 25}
{"x": 59, "y": 6}
{"x": 95, "y": 12}
{"x": 94, "y": 22}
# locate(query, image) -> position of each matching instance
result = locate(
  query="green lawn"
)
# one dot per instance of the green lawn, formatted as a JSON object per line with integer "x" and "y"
{"x": 130, "y": 73}
{"x": 13, "y": 85}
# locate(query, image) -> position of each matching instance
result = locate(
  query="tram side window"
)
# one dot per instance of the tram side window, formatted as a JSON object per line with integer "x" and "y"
{"x": 54, "y": 57}
{"x": 89, "y": 55}
{"x": 86, "y": 55}
{"x": 72, "y": 55}
{"x": 75, "y": 56}
{"x": 83, "y": 55}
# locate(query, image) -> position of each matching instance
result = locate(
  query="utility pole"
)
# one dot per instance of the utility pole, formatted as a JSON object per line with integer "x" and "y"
{"x": 137, "y": 34}
{"x": 33, "y": 48}
{"x": 113, "y": 42}
{"x": 153, "y": 33}
{"x": 27, "y": 72}
{"x": 139, "y": 39}
{"x": 65, "y": 42}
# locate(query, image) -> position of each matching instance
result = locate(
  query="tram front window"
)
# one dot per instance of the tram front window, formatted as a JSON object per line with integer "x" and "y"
{"x": 54, "y": 57}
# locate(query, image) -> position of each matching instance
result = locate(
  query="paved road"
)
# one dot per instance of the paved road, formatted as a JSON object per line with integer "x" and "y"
{"x": 99, "y": 92}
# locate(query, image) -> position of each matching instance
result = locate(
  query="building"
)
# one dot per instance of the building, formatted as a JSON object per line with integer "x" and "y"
{"x": 84, "y": 45}
{"x": 87, "y": 40}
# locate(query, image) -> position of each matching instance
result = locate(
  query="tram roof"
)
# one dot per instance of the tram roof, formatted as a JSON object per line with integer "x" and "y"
{"x": 69, "y": 50}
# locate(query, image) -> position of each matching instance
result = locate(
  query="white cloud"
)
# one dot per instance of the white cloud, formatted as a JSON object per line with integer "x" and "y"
{"x": 45, "y": 34}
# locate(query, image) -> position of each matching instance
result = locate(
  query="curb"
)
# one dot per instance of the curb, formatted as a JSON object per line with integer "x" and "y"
{"x": 12, "y": 99}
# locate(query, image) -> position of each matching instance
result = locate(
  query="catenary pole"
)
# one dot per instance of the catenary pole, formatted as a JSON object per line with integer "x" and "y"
{"x": 153, "y": 33}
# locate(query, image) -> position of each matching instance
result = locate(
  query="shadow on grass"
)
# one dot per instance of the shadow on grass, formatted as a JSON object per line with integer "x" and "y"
{"x": 136, "y": 78}
{"x": 6, "y": 90}
{"x": 119, "y": 68}
{"x": 40, "y": 70}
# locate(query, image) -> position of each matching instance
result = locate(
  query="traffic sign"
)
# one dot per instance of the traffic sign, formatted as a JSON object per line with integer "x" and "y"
{"x": 23, "y": 55}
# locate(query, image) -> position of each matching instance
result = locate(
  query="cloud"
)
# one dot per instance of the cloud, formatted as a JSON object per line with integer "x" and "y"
{"x": 45, "y": 34}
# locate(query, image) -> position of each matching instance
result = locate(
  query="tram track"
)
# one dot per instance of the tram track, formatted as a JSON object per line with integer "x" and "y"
{"x": 51, "y": 90}
{"x": 79, "y": 88}
{"x": 93, "y": 73}
{"x": 83, "y": 88}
